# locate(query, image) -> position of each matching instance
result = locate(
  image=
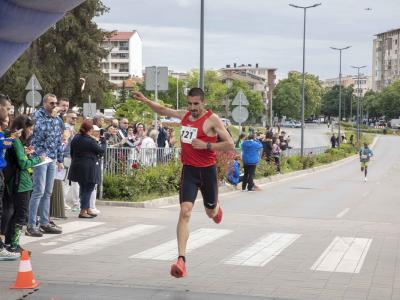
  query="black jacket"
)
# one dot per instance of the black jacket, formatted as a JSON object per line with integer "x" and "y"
{"x": 86, "y": 155}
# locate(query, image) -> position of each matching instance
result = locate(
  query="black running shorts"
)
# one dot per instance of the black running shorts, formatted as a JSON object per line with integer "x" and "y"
{"x": 203, "y": 178}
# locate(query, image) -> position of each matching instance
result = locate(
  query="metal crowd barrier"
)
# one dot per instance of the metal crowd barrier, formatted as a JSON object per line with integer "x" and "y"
{"x": 307, "y": 151}
{"x": 123, "y": 160}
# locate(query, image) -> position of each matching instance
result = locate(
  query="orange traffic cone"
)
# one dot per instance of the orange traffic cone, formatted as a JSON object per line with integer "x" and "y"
{"x": 25, "y": 278}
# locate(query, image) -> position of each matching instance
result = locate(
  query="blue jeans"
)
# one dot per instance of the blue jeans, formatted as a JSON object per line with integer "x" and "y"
{"x": 85, "y": 191}
{"x": 43, "y": 180}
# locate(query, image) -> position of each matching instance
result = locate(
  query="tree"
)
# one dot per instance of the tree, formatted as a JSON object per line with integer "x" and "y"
{"x": 169, "y": 97}
{"x": 69, "y": 50}
{"x": 330, "y": 102}
{"x": 124, "y": 93}
{"x": 389, "y": 100}
{"x": 372, "y": 104}
{"x": 287, "y": 96}
{"x": 215, "y": 91}
{"x": 135, "y": 111}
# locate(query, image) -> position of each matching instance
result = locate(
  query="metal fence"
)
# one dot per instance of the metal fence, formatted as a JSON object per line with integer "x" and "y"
{"x": 124, "y": 160}
{"x": 307, "y": 151}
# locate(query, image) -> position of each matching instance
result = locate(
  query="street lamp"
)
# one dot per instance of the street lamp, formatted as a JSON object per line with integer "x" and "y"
{"x": 201, "y": 75}
{"x": 302, "y": 84}
{"x": 177, "y": 91}
{"x": 340, "y": 89}
{"x": 358, "y": 100}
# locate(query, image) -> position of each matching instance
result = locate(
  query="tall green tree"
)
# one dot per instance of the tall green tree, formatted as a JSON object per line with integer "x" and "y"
{"x": 66, "y": 52}
{"x": 287, "y": 96}
{"x": 389, "y": 100}
{"x": 215, "y": 91}
{"x": 330, "y": 102}
{"x": 169, "y": 97}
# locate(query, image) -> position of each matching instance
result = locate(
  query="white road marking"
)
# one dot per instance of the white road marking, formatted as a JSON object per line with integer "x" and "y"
{"x": 66, "y": 228}
{"x": 342, "y": 213}
{"x": 264, "y": 250}
{"x": 169, "y": 206}
{"x": 344, "y": 254}
{"x": 97, "y": 243}
{"x": 168, "y": 250}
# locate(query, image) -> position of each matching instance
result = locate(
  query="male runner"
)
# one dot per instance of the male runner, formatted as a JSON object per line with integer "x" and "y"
{"x": 365, "y": 155}
{"x": 199, "y": 131}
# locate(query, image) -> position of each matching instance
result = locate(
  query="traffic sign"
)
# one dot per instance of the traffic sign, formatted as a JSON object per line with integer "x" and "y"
{"x": 159, "y": 75}
{"x": 240, "y": 99}
{"x": 33, "y": 84}
{"x": 33, "y": 98}
{"x": 240, "y": 114}
{"x": 89, "y": 110}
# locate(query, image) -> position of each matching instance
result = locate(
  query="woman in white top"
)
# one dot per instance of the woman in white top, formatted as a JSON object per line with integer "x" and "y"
{"x": 148, "y": 149}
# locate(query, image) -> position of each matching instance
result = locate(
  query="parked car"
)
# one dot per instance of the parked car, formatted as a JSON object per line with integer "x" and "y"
{"x": 170, "y": 120}
{"x": 226, "y": 121}
{"x": 288, "y": 123}
{"x": 395, "y": 123}
{"x": 296, "y": 124}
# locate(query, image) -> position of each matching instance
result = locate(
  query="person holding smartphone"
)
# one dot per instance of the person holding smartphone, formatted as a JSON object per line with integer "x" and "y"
{"x": 5, "y": 143}
{"x": 20, "y": 160}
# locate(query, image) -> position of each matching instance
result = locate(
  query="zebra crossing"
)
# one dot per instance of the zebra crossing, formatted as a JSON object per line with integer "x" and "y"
{"x": 343, "y": 254}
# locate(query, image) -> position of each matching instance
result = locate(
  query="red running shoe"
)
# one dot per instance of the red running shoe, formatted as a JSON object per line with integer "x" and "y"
{"x": 178, "y": 269}
{"x": 218, "y": 217}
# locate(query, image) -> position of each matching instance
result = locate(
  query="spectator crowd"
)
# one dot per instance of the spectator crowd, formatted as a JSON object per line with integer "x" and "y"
{"x": 46, "y": 160}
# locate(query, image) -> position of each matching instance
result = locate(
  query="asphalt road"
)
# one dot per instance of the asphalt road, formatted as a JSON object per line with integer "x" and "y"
{"x": 325, "y": 235}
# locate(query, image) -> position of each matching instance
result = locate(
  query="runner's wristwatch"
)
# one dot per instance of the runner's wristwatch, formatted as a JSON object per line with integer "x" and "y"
{"x": 208, "y": 146}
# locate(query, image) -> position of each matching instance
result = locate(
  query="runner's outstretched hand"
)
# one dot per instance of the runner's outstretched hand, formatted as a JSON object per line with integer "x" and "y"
{"x": 139, "y": 96}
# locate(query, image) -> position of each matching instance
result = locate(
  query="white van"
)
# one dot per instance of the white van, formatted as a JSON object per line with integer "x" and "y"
{"x": 395, "y": 123}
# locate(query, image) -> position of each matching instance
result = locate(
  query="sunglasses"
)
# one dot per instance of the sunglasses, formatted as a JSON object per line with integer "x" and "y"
{"x": 53, "y": 103}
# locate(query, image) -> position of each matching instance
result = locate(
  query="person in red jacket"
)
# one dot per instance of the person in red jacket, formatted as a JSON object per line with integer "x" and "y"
{"x": 199, "y": 130}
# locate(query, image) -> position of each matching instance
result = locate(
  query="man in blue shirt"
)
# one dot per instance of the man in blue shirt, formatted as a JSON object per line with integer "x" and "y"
{"x": 46, "y": 140}
{"x": 251, "y": 153}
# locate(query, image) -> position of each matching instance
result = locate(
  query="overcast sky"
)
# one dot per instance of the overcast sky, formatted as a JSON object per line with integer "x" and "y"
{"x": 268, "y": 32}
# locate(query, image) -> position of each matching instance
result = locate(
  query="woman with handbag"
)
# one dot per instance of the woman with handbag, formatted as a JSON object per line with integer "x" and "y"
{"x": 86, "y": 153}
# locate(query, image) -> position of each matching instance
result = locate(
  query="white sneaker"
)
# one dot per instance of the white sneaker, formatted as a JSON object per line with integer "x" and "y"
{"x": 6, "y": 255}
{"x": 365, "y": 179}
{"x": 95, "y": 211}
{"x": 67, "y": 207}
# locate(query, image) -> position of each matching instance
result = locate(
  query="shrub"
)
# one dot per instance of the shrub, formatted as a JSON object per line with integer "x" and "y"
{"x": 265, "y": 169}
{"x": 294, "y": 163}
{"x": 308, "y": 161}
{"x": 160, "y": 180}
{"x": 224, "y": 161}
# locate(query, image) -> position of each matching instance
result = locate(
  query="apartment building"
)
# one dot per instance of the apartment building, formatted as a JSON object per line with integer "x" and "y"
{"x": 260, "y": 79}
{"x": 347, "y": 80}
{"x": 385, "y": 59}
{"x": 124, "y": 60}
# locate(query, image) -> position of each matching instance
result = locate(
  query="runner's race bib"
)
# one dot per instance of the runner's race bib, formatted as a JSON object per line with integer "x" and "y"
{"x": 188, "y": 134}
{"x": 364, "y": 156}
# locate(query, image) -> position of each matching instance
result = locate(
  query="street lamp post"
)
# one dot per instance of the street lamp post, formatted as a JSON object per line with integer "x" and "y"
{"x": 177, "y": 92}
{"x": 302, "y": 84}
{"x": 340, "y": 89}
{"x": 201, "y": 75}
{"x": 358, "y": 100}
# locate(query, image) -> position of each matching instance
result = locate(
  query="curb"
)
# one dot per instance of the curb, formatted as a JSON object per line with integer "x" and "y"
{"x": 224, "y": 189}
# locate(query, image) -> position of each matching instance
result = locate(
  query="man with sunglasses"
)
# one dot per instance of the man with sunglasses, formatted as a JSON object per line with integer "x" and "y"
{"x": 46, "y": 140}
